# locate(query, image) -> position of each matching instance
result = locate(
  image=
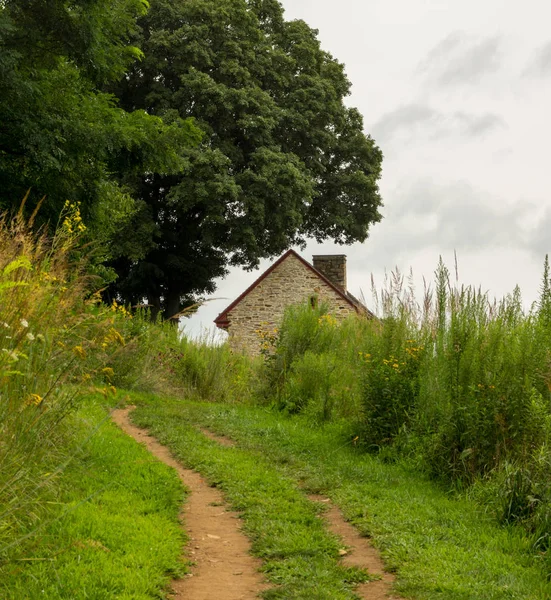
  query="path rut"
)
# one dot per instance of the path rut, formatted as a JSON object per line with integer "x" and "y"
{"x": 359, "y": 553}
{"x": 223, "y": 567}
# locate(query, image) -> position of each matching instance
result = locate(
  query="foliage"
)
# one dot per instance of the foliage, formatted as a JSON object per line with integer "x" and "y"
{"x": 390, "y": 383}
{"x": 283, "y": 158}
{"x": 54, "y": 342}
{"x": 458, "y": 384}
{"x": 58, "y": 342}
{"x": 309, "y": 369}
{"x": 61, "y": 134}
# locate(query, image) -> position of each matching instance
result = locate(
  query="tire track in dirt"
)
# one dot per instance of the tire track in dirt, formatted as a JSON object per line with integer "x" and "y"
{"x": 359, "y": 551}
{"x": 223, "y": 567}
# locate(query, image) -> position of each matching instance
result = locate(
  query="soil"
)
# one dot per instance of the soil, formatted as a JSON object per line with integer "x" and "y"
{"x": 223, "y": 567}
{"x": 357, "y": 550}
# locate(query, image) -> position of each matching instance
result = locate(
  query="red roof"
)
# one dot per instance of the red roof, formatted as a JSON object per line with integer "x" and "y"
{"x": 222, "y": 320}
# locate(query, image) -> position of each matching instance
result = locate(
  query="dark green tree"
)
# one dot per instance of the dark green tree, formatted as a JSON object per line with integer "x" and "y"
{"x": 61, "y": 134}
{"x": 283, "y": 159}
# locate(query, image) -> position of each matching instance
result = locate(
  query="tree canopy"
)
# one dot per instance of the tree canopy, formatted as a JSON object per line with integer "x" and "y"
{"x": 61, "y": 134}
{"x": 195, "y": 134}
{"x": 283, "y": 158}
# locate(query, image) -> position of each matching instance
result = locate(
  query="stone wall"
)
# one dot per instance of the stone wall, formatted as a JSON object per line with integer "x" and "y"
{"x": 261, "y": 310}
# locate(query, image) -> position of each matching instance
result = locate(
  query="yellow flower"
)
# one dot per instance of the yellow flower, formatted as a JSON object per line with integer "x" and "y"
{"x": 110, "y": 389}
{"x": 80, "y": 352}
{"x": 108, "y": 372}
{"x": 33, "y": 400}
{"x": 114, "y": 337}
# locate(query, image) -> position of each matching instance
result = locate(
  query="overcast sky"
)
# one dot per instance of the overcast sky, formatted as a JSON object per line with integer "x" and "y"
{"x": 458, "y": 97}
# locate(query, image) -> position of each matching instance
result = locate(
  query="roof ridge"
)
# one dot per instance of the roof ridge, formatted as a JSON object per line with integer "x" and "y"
{"x": 222, "y": 319}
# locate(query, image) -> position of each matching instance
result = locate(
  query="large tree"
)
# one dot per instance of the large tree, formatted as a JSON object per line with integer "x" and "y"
{"x": 283, "y": 158}
{"x": 61, "y": 134}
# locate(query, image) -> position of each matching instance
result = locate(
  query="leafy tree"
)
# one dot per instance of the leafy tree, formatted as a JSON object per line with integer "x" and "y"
{"x": 283, "y": 158}
{"x": 60, "y": 134}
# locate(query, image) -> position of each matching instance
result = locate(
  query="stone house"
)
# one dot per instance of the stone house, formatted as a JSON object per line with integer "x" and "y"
{"x": 290, "y": 280}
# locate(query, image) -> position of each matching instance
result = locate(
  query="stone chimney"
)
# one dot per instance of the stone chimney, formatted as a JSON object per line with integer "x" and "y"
{"x": 333, "y": 266}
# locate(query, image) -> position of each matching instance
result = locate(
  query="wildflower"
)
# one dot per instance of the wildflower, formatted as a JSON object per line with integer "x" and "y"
{"x": 33, "y": 400}
{"x": 5, "y": 325}
{"x": 13, "y": 355}
{"x": 80, "y": 352}
{"x": 30, "y": 337}
{"x": 72, "y": 223}
{"x": 108, "y": 372}
{"x": 40, "y": 337}
{"x": 24, "y": 323}
{"x": 113, "y": 336}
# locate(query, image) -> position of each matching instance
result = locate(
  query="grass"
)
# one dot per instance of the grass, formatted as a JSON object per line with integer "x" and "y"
{"x": 458, "y": 386}
{"x": 301, "y": 558}
{"x": 440, "y": 547}
{"x": 114, "y": 530}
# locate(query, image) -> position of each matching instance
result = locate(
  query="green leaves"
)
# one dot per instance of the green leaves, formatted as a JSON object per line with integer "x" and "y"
{"x": 21, "y": 262}
{"x": 282, "y": 159}
{"x": 62, "y": 134}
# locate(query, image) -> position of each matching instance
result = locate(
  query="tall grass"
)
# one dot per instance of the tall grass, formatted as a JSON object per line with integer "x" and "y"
{"x": 59, "y": 342}
{"x": 41, "y": 342}
{"x": 458, "y": 382}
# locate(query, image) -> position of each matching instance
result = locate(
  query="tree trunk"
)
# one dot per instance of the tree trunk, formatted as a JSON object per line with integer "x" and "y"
{"x": 172, "y": 307}
{"x": 154, "y": 305}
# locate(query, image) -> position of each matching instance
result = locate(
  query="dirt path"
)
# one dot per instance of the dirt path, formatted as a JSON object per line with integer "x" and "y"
{"x": 223, "y": 567}
{"x": 359, "y": 552}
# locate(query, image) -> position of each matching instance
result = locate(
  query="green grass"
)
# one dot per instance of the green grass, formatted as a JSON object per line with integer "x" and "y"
{"x": 115, "y": 532}
{"x": 301, "y": 558}
{"x": 440, "y": 547}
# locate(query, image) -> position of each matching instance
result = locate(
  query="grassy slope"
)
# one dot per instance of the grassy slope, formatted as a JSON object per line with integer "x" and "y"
{"x": 299, "y": 555}
{"x": 117, "y": 535}
{"x": 441, "y": 548}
